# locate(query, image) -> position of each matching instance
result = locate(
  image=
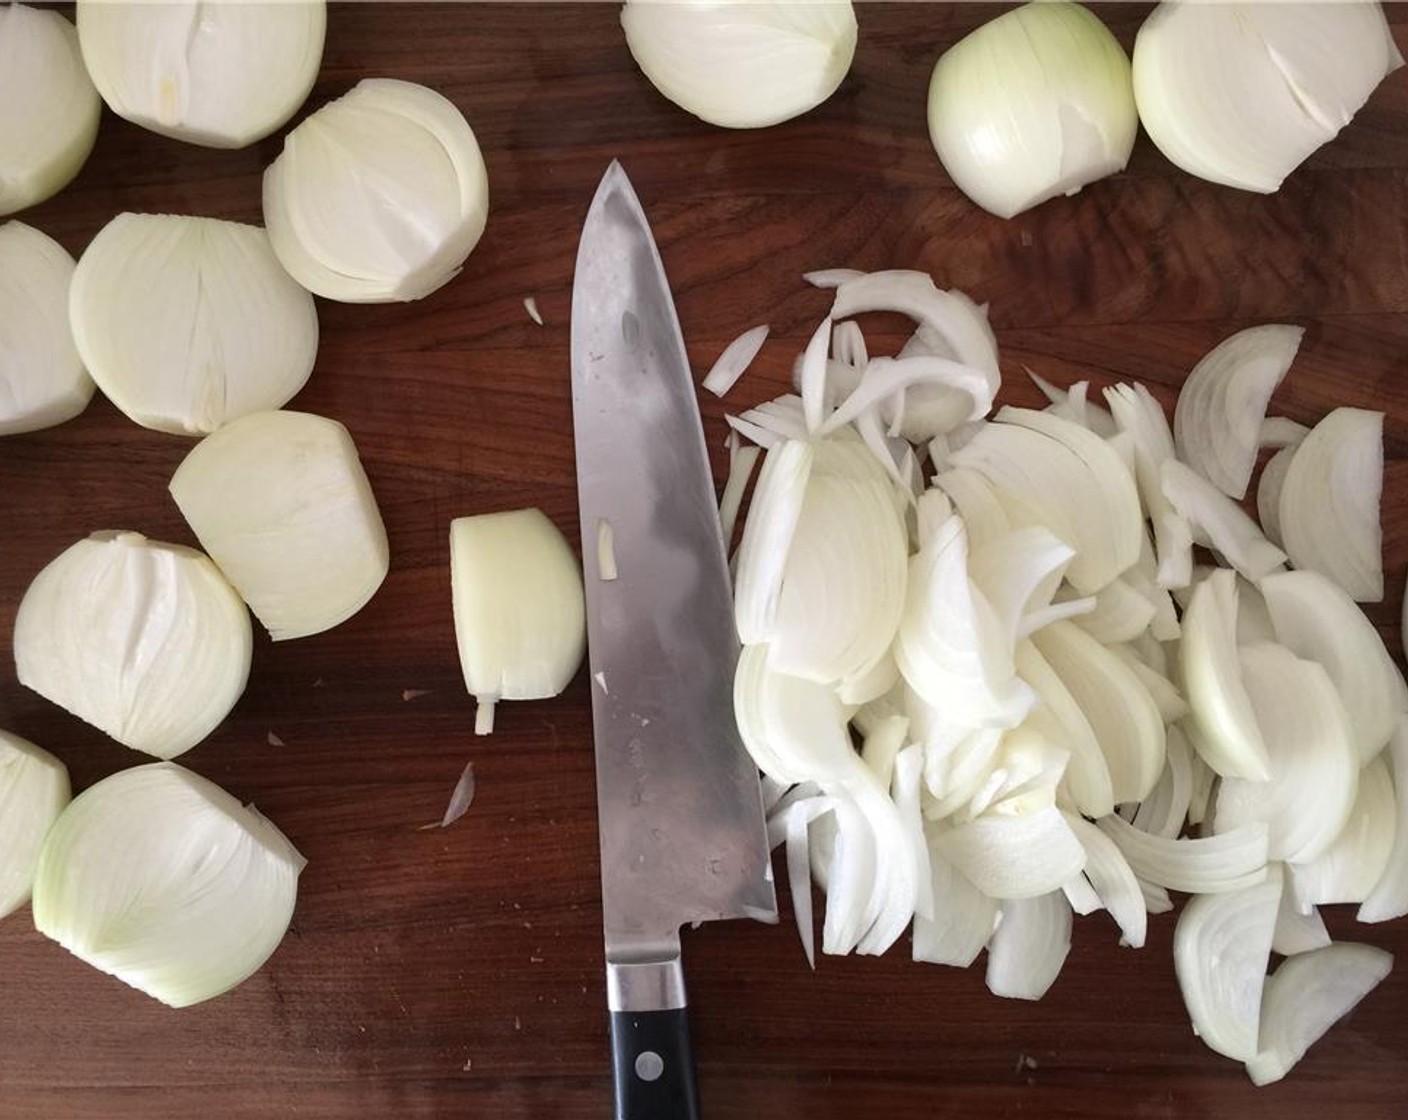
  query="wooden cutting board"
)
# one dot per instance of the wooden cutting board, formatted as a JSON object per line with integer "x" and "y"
{"x": 457, "y": 973}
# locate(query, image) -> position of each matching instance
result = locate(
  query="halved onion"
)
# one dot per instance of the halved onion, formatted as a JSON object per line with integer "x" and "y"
{"x": 144, "y": 640}
{"x": 379, "y": 196}
{"x": 42, "y": 379}
{"x": 1029, "y": 946}
{"x": 280, "y": 501}
{"x": 1329, "y": 506}
{"x": 162, "y": 879}
{"x": 222, "y": 75}
{"x": 48, "y": 106}
{"x": 33, "y": 792}
{"x": 186, "y": 323}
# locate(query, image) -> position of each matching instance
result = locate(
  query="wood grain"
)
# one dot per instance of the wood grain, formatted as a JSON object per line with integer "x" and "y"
{"x": 458, "y": 972}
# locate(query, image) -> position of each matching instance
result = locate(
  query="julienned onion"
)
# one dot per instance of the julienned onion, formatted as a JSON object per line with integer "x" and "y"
{"x": 379, "y": 196}
{"x": 162, "y": 879}
{"x": 1242, "y": 93}
{"x": 48, "y": 107}
{"x": 222, "y": 75}
{"x": 739, "y": 63}
{"x": 1038, "y": 726}
{"x": 1037, "y": 103}
{"x": 186, "y": 323}
{"x": 33, "y": 792}
{"x": 520, "y": 620}
{"x": 42, "y": 379}
{"x": 280, "y": 501}
{"x": 146, "y": 641}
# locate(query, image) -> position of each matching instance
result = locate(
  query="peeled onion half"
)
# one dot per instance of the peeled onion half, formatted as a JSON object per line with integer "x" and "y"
{"x": 379, "y": 196}
{"x": 48, "y": 106}
{"x": 740, "y": 64}
{"x": 33, "y": 792}
{"x": 223, "y": 75}
{"x": 42, "y": 379}
{"x": 144, "y": 640}
{"x": 282, "y": 504}
{"x": 186, "y": 323}
{"x": 162, "y": 879}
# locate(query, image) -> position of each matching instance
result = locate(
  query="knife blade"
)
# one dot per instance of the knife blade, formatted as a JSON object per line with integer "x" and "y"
{"x": 679, "y": 804}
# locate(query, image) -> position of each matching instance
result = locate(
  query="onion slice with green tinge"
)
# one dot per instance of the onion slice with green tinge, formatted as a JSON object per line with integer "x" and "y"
{"x": 163, "y": 880}
{"x": 33, "y": 792}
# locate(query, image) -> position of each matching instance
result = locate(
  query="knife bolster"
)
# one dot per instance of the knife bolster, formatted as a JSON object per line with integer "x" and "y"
{"x": 645, "y": 985}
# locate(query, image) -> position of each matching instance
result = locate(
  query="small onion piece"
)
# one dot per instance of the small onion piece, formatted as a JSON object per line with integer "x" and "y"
{"x": 742, "y": 64}
{"x": 1297, "y": 932}
{"x": 186, "y": 323}
{"x": 1033, "y": 104}
{"x": 220, "y": 75}
{"x": 379, "y": 196}
{"x": 963, "y": 918}
{"x": 1349, "y": 868}
{"x": 1268, "y": 492}
{"x": 1219, "y": 523}
{"x": 520, "y": 619}
{"x": 734, "y": 361}
{"x": 48, "y": 107}
{"x": 1029, "y": 947}
{"x": 33, "y": 792}
{"x": 42, "y": 379}
{"x": 1389, "y": 898}
{"x": 162, "y": 879}
{"x": 144, "y": 640}
{"x": 280, "y": 501}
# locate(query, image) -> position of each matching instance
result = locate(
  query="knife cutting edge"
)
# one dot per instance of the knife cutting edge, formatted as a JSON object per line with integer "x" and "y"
{"x": 679, "y": 803}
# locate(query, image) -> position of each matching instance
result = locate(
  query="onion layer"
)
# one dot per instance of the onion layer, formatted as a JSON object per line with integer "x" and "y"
{"x": 33, "y": 792}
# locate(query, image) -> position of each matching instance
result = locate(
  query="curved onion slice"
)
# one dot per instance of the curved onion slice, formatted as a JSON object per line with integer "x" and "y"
{"x": 738, "y": 355}
{"x": 887, "y": 379}
{"x": 1389, "y": 898}
{"x": 1297, "y": 932}
{"x": 42, "y": 379}
{"x": 1329, "y": 505}
{"x": 222, "y": 75}
{"x": 767, "y": 537}
{"x": 1314, "y": 765}
{"x": 1221, "y": 946}
{"x": 1163, "y": 812}
{"x": 1317, "y": 620}
{"x": 1228, "y": 861}
{"x": 1219, "y": 522}
{"x": 1059, "y": 718}
{"x": 1019, "y": 572}
{"x": 1029, "y": 946}
{"x": 1121, "y": 613}
{"x": 1268, "y": 492}
{"x": 520, "y": 619}
{"x": 1349, "y": 868}
{"x": 48, "y": 107}
{"x": 1231, "y": 742}
{"x": 794, "y": 729}
{"x": 280, "y": 501}
{"x": 379, "y": 196}
{"x": 186, "y": 323}
{"x": 963, "y": 916}
{"x": 1217, "y": 423}
{"x": 1281, "y": 432}
{"x": 162, "y": 879}
{"x": 144, "y": 640}
{"x": 1308, "y": 995}
{"x": 1009, "y": 855}
{"x": 1113, "y": 879}
{"x": 33, "y": 792}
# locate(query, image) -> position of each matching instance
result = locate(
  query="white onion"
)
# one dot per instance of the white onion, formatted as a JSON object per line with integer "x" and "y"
{"x": 48, "y": 106}
{"x": 162, "y": 879}
{"x": 1228, "y": 861}
{"x": 1389, "y": 898}
{"x": 223, "y": 75}
{"x": 1297, "y": 932}
{"x": 1349, "y": 868}
{"x": 280, "y": 501}
{"x": 1329, "y": 504}
{"x": 1059, "y": 717}
{"x": 734, "y": 361}
{"x": 379, "y": 196}
{"x": 739, "y": 63}
{"x": 1014, "y": 856}
{"x": 1223, "y": 402}
{"x": 1113, "y": 879}
{"x": 963, "y": 917}
{"x": 33, "y": 792}
{"x": 186, "y": 323}
{"x": 1139, "y": 416}
{"x": 1268, "y": 492}
{"x": 767, "y": 537}
{"x": 1031, "y": 943}
{"x": 1242, "y": 93}
{"x": 1219, "y": 523}
{"x": 42, "y": 379}
{"x": 144, "y": 640}
{"x": 1033, "y": 104}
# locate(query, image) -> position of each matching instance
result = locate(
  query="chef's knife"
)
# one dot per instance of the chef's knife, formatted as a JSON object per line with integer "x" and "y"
{"x": 678, "y": 801}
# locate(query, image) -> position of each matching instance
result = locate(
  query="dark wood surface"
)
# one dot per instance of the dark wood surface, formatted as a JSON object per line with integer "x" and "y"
{"x": 458, "y": 973}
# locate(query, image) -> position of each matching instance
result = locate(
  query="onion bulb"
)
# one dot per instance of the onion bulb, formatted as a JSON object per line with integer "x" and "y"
{"x": 33, "y": 792}
{"x": 48, "y": 106}
{"x": 1034, "y": 104}
{"x": 223, "y": 75}
{"x": 144, "y": 640}
{"x": 1242, "y": 93}
{"x": 186, "y": 323}
{"x": 280, "y": 501}
{"x": 739, "y": 63}
{"x": 42, "y": 379}
{"x": 162, "y": 879}
{"x": 379, "y": 196}
{"x": 520, "y": 621}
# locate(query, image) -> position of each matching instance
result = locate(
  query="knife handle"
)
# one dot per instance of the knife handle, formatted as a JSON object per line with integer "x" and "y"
{"x": 653, "y": 1062}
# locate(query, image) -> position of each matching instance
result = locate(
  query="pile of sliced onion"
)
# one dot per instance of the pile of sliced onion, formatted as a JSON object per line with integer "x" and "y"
{"x": 1058, "y": 711}
{"x": 33, "y": 792}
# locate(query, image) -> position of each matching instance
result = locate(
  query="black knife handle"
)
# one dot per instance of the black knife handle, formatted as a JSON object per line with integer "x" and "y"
{"x": 653, "y": 1062}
